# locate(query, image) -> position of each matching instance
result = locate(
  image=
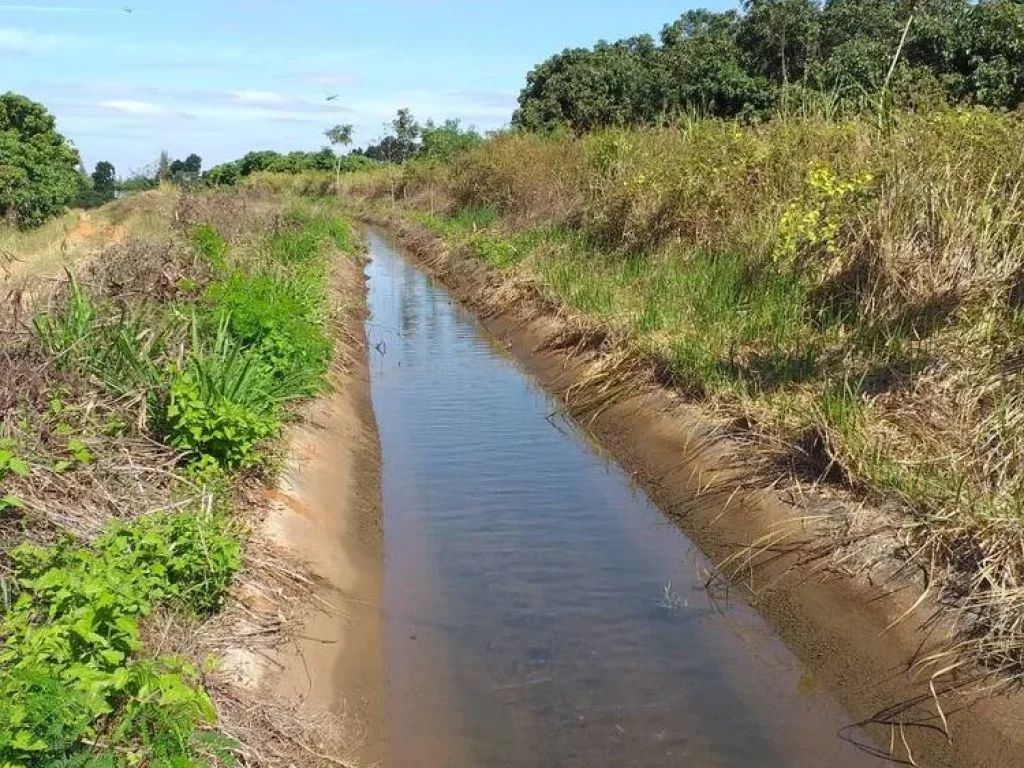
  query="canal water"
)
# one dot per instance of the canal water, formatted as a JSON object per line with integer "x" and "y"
{"x": 539, "y": 610}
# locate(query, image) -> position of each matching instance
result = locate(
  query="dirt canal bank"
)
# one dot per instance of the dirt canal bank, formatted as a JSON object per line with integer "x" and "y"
{"x": 326, "y": 512}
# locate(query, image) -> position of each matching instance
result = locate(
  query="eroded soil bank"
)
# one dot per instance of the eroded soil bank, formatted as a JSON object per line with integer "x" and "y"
{"x": 845, "y": 630}
{"x": 326, "y": 514}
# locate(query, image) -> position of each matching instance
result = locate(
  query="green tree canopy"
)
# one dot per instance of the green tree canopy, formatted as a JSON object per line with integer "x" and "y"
{"x": 193, "y": 164}
{"x": 446, "y": 141}
{"x": 38, "y": 167}
{"x": 739, "y": 64}
{"x": 104, "y": 179}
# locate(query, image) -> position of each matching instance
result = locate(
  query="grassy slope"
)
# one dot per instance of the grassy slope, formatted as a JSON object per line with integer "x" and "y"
{"x": 69, "y": 240}
{"x": 855, "y": 295}
{"x": 160, "y": 381}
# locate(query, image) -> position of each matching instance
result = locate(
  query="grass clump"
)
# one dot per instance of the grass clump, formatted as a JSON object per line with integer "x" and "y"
{"x": 280, "y": 314}
{"x": 209, "y": 245}
{"x": 122, "y": 350}
{"x": 226, "y": 403}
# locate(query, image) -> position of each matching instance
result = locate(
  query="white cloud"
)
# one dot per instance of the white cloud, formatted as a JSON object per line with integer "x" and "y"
{"x": 57, "y": 9}
{"x": 259, "y": 97}
{"x": 327, "y": 79}
{"x": 29, "y": 41}
{"x": 133, "y": 107}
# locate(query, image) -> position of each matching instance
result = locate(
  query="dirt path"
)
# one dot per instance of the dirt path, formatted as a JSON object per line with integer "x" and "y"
{"x": 65, "y": 242}
{"x": 838, "y": 626}
{"x": 326, "y": 512}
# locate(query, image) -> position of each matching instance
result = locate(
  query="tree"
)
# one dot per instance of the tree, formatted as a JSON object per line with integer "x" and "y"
{"x": 444, "y": 142}
{"x": 104, "y": 180}
{"x": 224, "y": 174}
{"x": 780, "y": 37}
{"x": 707, "y": 67}
{"x": 254, "y": 162}
{"x": 38, "y": 167}
{"x": 193, "y": 164}
{"x": 339, "y": 136}
{"x": 399, "y": 145}
{"x": 406, "y": 132}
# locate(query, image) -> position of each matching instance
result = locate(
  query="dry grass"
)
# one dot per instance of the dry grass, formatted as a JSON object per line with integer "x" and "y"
{"x": 69, "y": 241}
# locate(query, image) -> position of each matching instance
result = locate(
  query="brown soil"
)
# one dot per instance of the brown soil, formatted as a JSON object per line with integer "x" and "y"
{"x": 845, "y": 629}
{"x": 326, "y": 515}
{"x": 96, "y": 233}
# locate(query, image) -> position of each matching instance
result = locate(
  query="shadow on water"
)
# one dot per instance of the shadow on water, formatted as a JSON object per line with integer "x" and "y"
{"x": 542, "y": 611}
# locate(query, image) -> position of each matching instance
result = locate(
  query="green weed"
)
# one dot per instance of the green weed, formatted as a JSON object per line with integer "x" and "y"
{"x": 224, "y": 404}
{"x": 71, "y": 636}
{"x": 10, "y": 464}
{"x": 209, "y": 245}
{"x": 282, "y": 315}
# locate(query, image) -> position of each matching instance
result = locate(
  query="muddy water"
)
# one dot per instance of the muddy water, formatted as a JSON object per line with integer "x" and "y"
{"x": 539, "y": 611}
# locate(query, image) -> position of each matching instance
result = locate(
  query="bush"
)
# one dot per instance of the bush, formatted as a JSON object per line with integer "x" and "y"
{"x": 224, "y": 404}
{"x": 71, "y": 636}
{"x": 194, "y": 557}
{"x": 279, "y": 315}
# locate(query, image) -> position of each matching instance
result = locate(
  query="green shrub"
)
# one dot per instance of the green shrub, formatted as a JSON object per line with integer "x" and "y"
{"x": 209, "y": 245}
{"x": 224, "y": 404}
{"x": 496, "y": 250}
{"x": 280, "y": 308}
{"x": 193, "y": 555}
{"x": 812, "y": 224}
{"x": 70, "y": 638}
{"x": 282, "y": 316}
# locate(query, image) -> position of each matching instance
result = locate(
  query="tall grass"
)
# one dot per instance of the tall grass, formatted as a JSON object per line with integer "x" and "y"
{"x": 213, "y": 375}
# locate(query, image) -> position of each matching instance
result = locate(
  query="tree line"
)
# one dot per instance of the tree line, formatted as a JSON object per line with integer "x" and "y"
{"x": 742, "y": 64}
{"x": 405, "y": 139}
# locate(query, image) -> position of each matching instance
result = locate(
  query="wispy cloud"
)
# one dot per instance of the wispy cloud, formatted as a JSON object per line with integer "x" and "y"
{"x": 133, "y": 107}
{"x": 215, "y": 106}
{"x": 21, "y": 40}
{"x": 58, "y": 9}
{"x": 326, "y": 79}
{"x": 259, "y": 97}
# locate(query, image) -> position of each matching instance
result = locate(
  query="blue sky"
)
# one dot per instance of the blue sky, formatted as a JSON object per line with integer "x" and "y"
{"x": 221, "y": 77}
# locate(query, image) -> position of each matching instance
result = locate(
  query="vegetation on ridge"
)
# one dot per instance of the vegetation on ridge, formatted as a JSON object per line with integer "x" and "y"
{"x": 139, "y": 398}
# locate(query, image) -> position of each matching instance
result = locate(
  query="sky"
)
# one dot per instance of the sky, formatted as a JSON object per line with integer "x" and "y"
{"x": 222, "y": 77}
